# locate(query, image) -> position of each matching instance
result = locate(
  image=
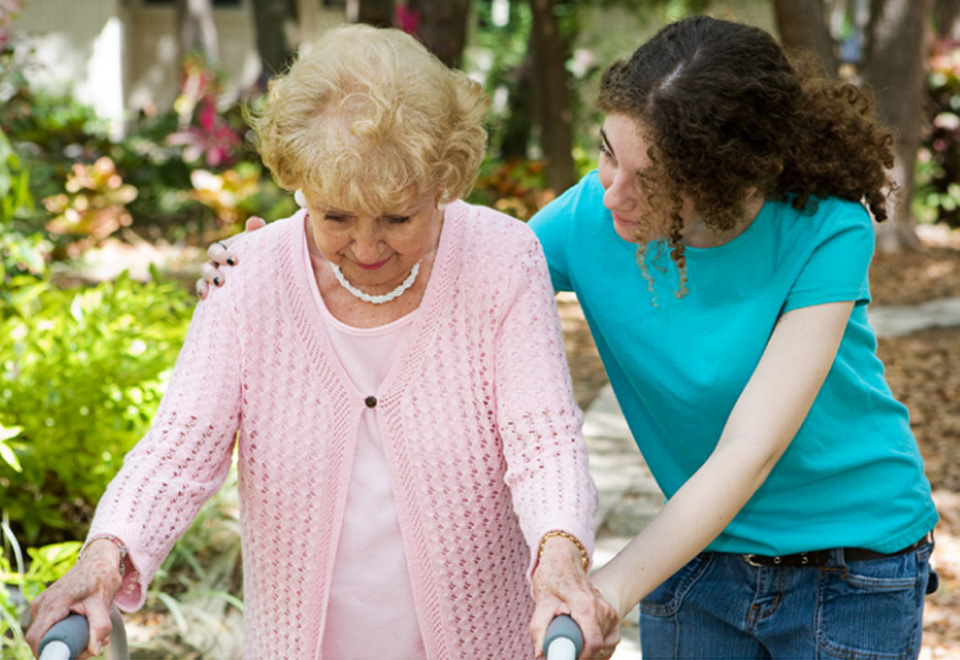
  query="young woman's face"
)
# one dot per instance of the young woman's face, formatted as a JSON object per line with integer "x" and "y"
{"x": 623, "y": 157}
{"x": 376, "y": 252}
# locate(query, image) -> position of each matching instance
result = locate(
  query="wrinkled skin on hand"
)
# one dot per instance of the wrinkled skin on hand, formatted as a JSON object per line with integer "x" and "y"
{"x": 89, "y": 589}
{"x": 561, "y": 586}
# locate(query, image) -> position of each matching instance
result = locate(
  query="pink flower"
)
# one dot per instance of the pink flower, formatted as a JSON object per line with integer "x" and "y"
{"x": 408, "y": 19}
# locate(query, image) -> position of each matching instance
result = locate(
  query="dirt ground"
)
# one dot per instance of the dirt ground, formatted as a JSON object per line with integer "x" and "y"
{"x": 924, "y": 372}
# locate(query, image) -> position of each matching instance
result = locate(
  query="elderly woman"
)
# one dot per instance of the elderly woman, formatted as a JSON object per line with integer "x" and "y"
{"x": 389, "y": 367}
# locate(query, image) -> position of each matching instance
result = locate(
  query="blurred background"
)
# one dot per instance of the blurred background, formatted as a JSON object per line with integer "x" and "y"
{"x": 124, "y": 153}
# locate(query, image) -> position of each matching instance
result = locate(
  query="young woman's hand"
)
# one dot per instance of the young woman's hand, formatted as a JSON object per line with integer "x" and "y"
{"x": 219, "y": 253}
{"x": 561, "y": 586}
{"x": 88, "y": 589}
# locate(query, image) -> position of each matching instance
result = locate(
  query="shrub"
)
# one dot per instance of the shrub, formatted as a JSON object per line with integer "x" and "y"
{"x": 81, "y": 375}
{"x": 236, "y": 194}
{"x": 93, "y": 206}
{"x": 938, "y": 162}
{"x": 20, "y": 583}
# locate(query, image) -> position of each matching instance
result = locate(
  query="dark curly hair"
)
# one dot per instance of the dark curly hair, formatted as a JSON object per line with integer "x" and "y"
{"x": 724, "y": 109}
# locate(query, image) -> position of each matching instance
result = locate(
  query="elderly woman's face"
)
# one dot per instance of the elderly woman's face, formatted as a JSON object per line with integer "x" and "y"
{"x": 376, "y": 252}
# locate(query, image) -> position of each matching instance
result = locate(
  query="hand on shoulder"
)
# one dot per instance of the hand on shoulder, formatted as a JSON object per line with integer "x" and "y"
{"x": 219, "y": 254}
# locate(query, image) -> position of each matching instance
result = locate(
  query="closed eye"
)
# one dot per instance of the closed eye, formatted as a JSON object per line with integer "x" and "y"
{"x": 398, "y": 219}
{"x": 605, "y": 149}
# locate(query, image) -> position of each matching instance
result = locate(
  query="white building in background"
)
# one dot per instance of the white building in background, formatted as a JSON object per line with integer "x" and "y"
{"x": 120, "y": 56}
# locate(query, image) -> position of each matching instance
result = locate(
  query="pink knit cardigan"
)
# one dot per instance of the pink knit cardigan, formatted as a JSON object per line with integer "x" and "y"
{"x": 478, "y": 421}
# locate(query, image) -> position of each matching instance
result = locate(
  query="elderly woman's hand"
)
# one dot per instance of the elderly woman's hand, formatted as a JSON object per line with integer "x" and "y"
{"x": 89, "y": 589}
{"x": 561, "y": 586}
{"x": 219, "y": 253}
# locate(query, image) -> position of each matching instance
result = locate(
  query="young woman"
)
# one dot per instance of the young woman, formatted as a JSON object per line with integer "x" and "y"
{"x": 798, "y": 514}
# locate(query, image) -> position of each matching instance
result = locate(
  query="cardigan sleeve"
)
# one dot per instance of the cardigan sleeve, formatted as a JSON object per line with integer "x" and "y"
{"x": 547, "y": 463}
{"x": 185, "y": 457}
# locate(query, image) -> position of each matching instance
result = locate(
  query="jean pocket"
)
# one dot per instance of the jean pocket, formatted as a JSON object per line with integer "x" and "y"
{"x": 665, "y": 600}
{"x": 872, "y": 610}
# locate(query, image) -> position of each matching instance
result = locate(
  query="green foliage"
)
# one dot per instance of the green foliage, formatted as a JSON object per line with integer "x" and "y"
{"x": 516, "y": 187}
{"x": 54, "y": 122}
{"x": 12, "y": 644}
{"x": 938, "y": 161}
{"x": 19, "y": 585}
{"x": 51, "y": 133}
{"x": 498, "y": 54}
{"x": 81, "y": 375}
{"x": 14, "y": 182}
{"x": 235, "y": 194}
{"x": 20, "y": 253}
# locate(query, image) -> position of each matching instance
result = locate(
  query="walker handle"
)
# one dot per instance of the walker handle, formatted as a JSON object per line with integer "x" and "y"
{"x": 66, "y": 639}
{"x": 564, "y": 640}
{"x": 69, "y": 637}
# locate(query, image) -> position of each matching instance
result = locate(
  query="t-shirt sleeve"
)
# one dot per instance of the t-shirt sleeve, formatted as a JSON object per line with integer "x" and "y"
{"x": 551, "y": 224}
{"x": 837, "y": 269}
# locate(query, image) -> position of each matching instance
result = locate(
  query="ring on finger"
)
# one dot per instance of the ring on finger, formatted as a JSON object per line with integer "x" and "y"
{"x": 602, "y": 653}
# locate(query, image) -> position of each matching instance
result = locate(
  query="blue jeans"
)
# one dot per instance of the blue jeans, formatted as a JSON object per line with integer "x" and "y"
{"x": 719, "y": 606}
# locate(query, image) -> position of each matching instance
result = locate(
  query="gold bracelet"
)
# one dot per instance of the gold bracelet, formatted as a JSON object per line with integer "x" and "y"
{"x": 113, "y": 539}
{"x": 584, "y": 557}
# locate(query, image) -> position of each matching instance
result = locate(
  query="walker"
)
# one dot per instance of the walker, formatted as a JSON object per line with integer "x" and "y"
{"x": 68, "y": 638}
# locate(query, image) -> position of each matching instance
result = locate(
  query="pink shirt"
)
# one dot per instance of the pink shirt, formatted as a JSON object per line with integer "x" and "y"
{"x": 371, "y": 565}
{"x": 476, "y": 418}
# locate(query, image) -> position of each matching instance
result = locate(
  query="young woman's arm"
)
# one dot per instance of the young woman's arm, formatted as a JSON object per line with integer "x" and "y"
{"x": 764, "y": 420}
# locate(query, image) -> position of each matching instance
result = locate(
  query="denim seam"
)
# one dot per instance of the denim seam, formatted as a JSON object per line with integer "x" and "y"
{"x": 838, "y": 651}
{"x": 672, "y": 605}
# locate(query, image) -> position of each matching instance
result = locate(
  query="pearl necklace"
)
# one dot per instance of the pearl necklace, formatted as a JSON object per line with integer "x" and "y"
{"x": 377, "y": 300}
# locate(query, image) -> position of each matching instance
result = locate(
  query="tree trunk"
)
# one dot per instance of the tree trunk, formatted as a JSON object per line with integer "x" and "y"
{"x": 946, "y": 18}
{"x": 378, "y": 13}
{"x": 552, "y": 94}
{"x": 442, "y": 27}
{"x": 803, "y": 24}
{"x": 274, "y": 21}
{"x": 894, "y": 68}
{"x": 196, "y": 29}
{"x": 519, "y": 123}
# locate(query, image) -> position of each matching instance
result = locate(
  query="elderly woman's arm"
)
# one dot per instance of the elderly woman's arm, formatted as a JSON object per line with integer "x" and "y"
{"x": 165, "y": 479}
{"x": 547, "y": 456}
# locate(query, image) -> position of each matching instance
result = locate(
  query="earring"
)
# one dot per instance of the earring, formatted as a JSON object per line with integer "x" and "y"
{"x": 300, "y": 199}
{"x": 443, "y": 200}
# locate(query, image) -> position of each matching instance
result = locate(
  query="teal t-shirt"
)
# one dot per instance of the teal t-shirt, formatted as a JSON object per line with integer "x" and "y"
{"x": 853, "y": 475}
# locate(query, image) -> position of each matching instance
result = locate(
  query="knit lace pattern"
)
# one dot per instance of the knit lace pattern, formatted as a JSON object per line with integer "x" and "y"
{"x": 478, "y": 421}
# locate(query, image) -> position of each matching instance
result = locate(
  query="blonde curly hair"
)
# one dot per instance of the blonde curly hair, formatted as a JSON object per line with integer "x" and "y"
{"x": 366, "y": 119}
